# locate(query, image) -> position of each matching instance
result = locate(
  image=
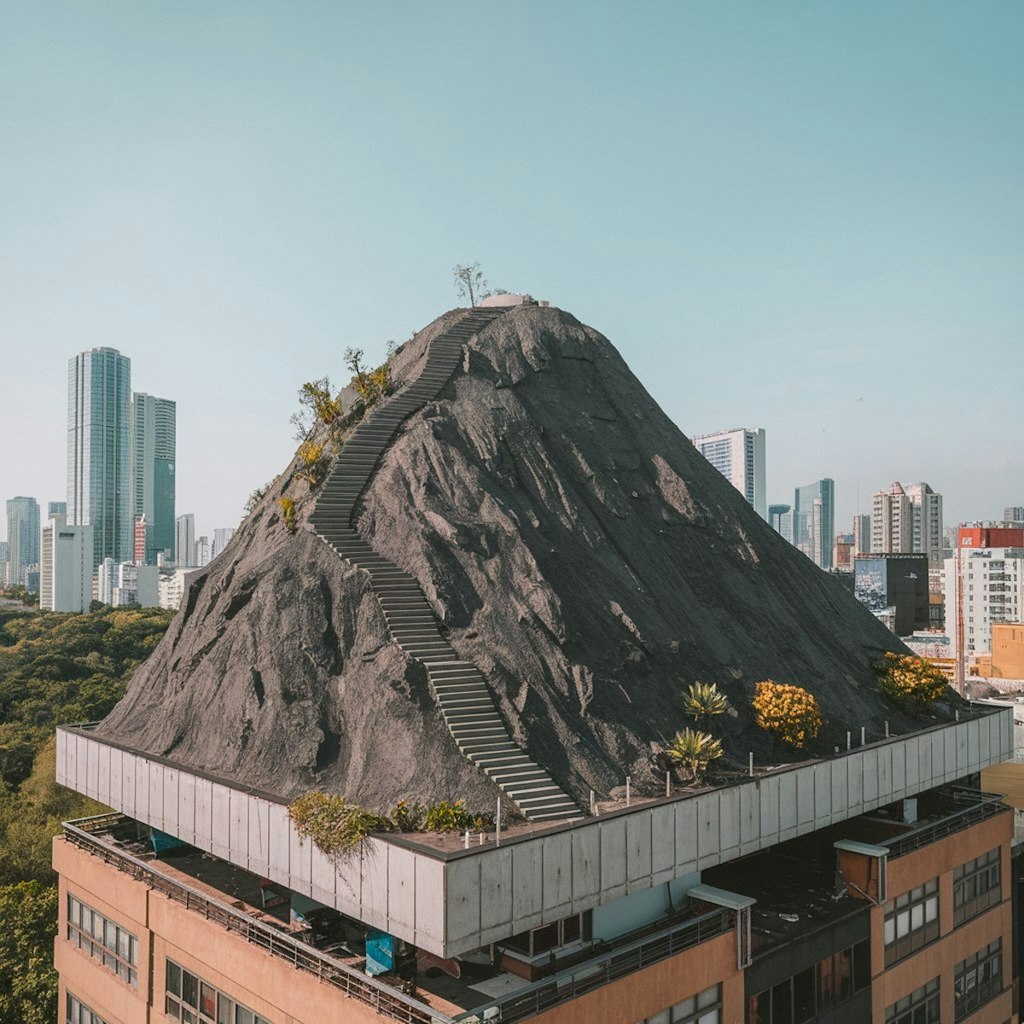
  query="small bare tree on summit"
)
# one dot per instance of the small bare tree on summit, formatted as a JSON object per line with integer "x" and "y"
{"x": 470, "y": 282}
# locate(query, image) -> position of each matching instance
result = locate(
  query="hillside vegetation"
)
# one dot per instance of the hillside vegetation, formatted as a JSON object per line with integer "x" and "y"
{"x": 54, "y": 668}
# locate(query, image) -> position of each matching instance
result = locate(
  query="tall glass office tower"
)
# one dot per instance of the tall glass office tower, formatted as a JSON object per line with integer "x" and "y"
{"x": 153, "y": 446}
{"x": 814, "y": 524}
{"x": 100, "y": 451}
{"x": 22, "y": 537}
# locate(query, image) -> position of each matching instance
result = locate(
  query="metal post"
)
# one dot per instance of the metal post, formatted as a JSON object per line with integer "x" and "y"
{"x": 466, "y": 844}
{"x": 751, "y": 764}
{"x": 887, "y": 728}
{"x": 862, "y": 735}
{"x": 592, "y": 802}
{"x": 668, "y": 783}
{"x": 627, "y": 790}
{"x": 497, "y": 825}
{"x": 849, "y": 742}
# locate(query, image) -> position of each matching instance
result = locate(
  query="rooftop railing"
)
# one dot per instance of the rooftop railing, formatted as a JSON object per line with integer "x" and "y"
{"x": 386, "y": 1001}
{"x": 585, "y": 977}
{"x": 979, "y": 807}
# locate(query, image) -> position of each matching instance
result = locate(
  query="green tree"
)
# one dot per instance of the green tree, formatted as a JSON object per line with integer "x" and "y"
{"x": 28, "y": 981}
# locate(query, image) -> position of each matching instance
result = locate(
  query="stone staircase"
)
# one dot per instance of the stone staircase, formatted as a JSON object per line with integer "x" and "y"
{"x": 459, "y": 688}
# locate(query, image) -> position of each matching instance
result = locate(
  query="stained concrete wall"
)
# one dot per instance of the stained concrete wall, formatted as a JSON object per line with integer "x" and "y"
{"x": 450, "y": 906}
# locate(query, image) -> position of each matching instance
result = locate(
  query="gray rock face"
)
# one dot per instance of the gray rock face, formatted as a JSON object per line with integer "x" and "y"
{"x": 578, "y": 549}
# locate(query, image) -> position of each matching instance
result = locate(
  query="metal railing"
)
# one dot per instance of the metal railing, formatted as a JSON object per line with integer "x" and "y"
{"x": 985, "y": 806}
{"x": 601, "y": 970}
{"x": 387, "y": 1001}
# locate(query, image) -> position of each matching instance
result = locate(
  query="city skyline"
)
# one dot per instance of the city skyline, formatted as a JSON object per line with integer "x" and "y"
{"x": 874, "y": 222}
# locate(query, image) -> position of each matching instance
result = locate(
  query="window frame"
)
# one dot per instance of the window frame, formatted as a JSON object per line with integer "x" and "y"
{"x": 225, "y": 1008}
{"x": 969, "y": 998}
{"x": 905, "y": 908}
{"x": 988, "y": 868}
{"x": 90, "y": 931}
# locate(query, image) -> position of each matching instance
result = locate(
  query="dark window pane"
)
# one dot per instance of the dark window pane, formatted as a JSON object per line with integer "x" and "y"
{"x": 782, "y": 1003}
{"x": 803, "y": 996}
{"x": 760, "y": 1008}
{"x": 189, "y": 989}
{"x": 861, "y": 966}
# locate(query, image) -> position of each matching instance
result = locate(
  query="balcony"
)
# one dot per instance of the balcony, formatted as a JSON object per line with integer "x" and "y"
{"x": 229, "y": 896}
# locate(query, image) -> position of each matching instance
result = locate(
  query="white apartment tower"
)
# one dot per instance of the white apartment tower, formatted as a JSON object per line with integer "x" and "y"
{"x": 739, "y": 456}
{"x": 65, "y": 566}
{"x": 992, "y": 588}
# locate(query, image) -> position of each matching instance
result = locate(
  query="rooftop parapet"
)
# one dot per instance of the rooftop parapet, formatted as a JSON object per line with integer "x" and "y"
{"x": 450, "y": 902}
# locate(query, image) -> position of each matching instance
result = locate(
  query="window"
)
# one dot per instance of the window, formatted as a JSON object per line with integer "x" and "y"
{"x": 191, "y": 1000}
{"x": 550, "y": 936}
{"x": 920, "y": 1007}
{"x": 816, "y": 990}
{"x": 106, "y": 941}
{"x": 978, "y": 979}
{"x": 79, "y": 1013}
{"x": 703, "y": 1008}
{"x": 911, "y": 921}
{"x": 976, "y": 886}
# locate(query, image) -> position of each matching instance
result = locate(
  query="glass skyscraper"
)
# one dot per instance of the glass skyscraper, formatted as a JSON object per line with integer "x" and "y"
{"x": 22, "y": 537}
{"x": 100, "y": 451}
{"x": 814, "y": 521}
{"x": 153, "y": 448}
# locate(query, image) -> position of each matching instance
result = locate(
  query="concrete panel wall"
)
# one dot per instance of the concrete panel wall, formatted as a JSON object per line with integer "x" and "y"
{"x": 450, "y": 907}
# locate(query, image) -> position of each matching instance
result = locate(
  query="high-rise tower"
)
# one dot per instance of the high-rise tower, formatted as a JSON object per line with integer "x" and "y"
{"x": 739, "y": 456}
{"x": 153, "y": 453}
{"x": 814, "y": 521}
{"x": 22, "y": 536}
{"x": 100, "y": 450}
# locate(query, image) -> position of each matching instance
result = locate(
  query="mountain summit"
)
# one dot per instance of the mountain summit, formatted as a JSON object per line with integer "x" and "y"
{"x": 571, "y": 544}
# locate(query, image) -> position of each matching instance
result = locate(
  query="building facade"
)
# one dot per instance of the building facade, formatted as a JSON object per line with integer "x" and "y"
{"x": 185, "y": 540}
{"x": 154, "y": 425}
{"x": 814, "y": 521}
{"x": 1013, "y": 514}
{"x": 895, "y": 585}
{"x": 100, "y": 451}
{"x": 875, "y": 886}
{"x": 739, "y": 455}
{"x": 66, "y": 570}
{"x": 907, "y": 519}
{"x": 983, "y": 586}
{"x": 221, "y": 536}
{"x": 22, "y": 538}
{"x": 861, "y": 534}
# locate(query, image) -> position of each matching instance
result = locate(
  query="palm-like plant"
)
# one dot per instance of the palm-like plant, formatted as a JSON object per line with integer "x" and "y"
{"x": 704, "y": 701}
{"x": 695, "y": 751}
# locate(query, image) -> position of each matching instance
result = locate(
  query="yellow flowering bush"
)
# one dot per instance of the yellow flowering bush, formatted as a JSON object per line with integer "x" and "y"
{"x": 786, "y": 711}
{"x": 288, "y": 511}
{"x": 314, "y": 462}
{"x": 910, "y": 681}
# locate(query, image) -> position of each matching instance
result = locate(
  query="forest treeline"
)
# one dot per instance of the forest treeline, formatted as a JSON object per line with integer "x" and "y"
{"x": 54, "y": 668}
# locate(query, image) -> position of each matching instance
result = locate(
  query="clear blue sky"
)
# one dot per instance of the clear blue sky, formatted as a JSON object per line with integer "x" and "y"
{"x": 802, "y": 216}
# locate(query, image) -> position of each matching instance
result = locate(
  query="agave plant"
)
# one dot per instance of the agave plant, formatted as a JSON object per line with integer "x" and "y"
{"x": 695, "y": 751}
{"x": 704, "y": 701}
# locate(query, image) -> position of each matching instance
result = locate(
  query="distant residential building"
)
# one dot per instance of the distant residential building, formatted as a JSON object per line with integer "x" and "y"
{"x": 221, "y": 536}
{"x": 22, "y": 538}
{"x": 99, "y": 451}
{"x": 171, "y": 586}
{"x": 842, "y": 554}
{"x": 154, "y": 424}
{"x": 56, "y": 508}
{"x": 128, "y": 583}
{"x": 814, "y": 521}
{"x": 989, "y": 589}
{"x": 907, "y": 519}
{"x": 202, "y": 555}
{"x": 895, "y": 588}
{"x": 140, "y": 539}
{"x": 1013, "y": 514}
{"x": 5, "y": 556}
{"x": 862, "y": 534}
{"x": 781, "y": 519}
{"x": 739, "y": 456}
{"x": 66, "y": 570}
{"x": 185, "y": 540}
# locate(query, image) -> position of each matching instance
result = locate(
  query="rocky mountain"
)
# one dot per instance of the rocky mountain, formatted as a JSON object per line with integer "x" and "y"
{"x": 575, "y": 546}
